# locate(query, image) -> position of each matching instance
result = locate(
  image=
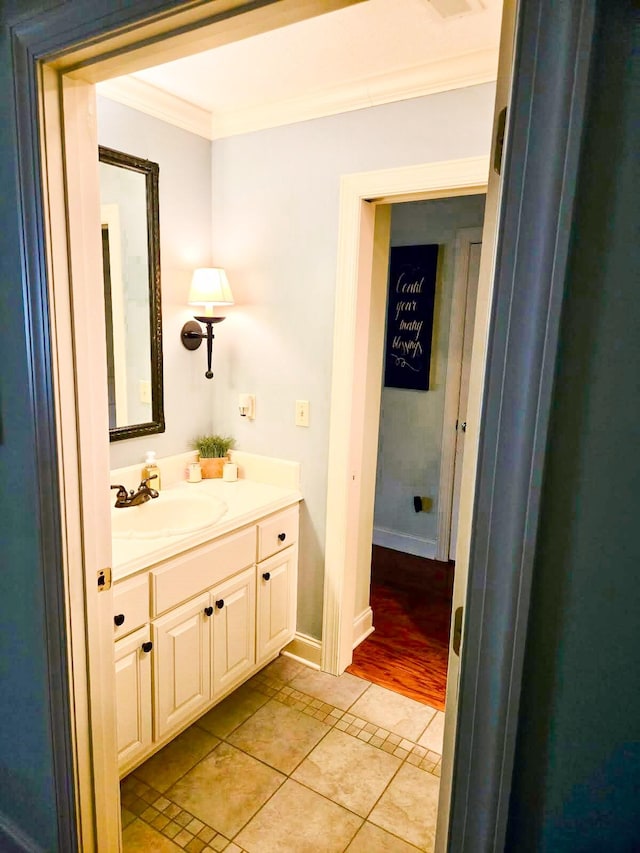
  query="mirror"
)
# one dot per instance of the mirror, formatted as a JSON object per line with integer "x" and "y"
{"x": 131, "y": 265}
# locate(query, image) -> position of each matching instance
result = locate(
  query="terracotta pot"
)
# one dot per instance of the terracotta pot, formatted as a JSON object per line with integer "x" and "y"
{"x": 212, "y": 468}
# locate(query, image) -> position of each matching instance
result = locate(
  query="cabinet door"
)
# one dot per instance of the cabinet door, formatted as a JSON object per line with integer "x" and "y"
{"x": 234, "y": 636}
{"x": 276, "y": 590}
{"x": 133, "y": 696}
{"x": 182, "y": 667}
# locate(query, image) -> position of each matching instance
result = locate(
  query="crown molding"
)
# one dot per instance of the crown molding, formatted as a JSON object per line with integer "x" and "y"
{"x": 470, "y": 69}
{"x": 142, "y": 96}
{"x": 455, "y": 73}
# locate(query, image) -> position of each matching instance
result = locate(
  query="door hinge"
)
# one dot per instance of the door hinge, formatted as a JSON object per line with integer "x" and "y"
{"x": 501, "y": 123}
{"x": 457, "y": 630}
{"x": 104, "y": 579}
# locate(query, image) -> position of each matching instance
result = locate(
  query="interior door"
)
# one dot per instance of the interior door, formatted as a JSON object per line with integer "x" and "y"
{"x": 474, "y": 408}
{"x": 473, "y": 269}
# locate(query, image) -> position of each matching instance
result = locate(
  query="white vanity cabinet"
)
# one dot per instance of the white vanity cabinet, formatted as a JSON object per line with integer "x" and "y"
{"x": 133, "y": 696}
{"x": 130, "y": 605}
{"x": 277, "y": 574}
{"x": 182, "y": 670}
{"x": 192, "y": 628}
{"x": 276, "y": 602}
{"x": 234, "y": 631}
{"x": 133, "y": 664}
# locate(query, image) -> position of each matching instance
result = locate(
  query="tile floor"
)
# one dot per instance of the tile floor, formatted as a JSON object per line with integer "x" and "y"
{"x": 294, "y": 761}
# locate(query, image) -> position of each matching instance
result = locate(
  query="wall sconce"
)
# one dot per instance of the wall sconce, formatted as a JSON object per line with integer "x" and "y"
{"x": 209, "y": 287}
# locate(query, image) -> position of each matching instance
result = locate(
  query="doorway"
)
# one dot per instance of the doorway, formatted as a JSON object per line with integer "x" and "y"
{"x": 358, "y": 345}
{"x": 74, "y": 94}
{"x": 411, "y": 572}
{"x": 466, "y": 297}
{"x": 505, "y": 605}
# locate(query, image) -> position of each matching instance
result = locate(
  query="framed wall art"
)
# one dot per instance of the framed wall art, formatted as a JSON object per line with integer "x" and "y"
{"x": 410, "y": 305}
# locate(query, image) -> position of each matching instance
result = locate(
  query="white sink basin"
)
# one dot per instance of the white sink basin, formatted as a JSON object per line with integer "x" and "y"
{"x": 170, "y": 514}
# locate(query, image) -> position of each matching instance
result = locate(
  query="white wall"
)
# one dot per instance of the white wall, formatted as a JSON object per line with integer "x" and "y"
{"x": 185, "y": 243}
{"x": 410, "y": 443}
{"x": 275, "y": 228}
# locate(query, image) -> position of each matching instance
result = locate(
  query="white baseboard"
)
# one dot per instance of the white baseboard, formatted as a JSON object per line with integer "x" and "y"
{"x": 305, "y": 649}
{"x": 15, "y": 840}
{"x": 362, "y": 626}
{"x": 405, "y": 543}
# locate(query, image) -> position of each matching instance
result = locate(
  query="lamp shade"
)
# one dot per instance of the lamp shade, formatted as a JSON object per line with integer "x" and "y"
{"x": 209, "y": 287}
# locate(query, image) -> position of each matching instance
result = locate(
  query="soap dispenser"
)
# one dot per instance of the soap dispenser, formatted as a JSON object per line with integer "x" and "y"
{"x": 150, "y": 469}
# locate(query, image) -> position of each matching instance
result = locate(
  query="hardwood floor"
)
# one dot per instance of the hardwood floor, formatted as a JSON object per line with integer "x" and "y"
{"x": 411, "y": 602}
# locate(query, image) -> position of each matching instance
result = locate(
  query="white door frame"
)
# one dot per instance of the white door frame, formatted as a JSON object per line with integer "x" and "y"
{"x": 66, "y": 146}
{"x": 464, "y": 238}
{"x": 353, "y": 392}
{"x": 80, "y": 376}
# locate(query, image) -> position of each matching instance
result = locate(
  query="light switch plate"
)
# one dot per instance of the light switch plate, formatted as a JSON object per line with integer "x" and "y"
{"x": 302, "y": 413}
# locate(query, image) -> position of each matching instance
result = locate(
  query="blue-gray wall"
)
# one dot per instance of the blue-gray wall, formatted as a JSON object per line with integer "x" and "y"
{"x": 276, "y": 200}
{"x": 410, "y": 442}
{"x": 577, "y": 769}
{"x": 26, "y": 759}
{"x": 184, "y": 189}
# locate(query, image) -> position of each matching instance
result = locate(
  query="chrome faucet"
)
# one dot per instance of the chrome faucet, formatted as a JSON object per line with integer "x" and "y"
{"x": 135, "y": 498}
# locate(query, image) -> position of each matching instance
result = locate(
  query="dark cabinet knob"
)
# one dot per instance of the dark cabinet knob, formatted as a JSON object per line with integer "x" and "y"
{"x": 220, "y": 603}
{"x": 119, "y": 619}
{"x": 146, "y": 647}
{"x": 267, "y": 576}
{"x": 208, "y": 611}
{"x": 282, "y": 536}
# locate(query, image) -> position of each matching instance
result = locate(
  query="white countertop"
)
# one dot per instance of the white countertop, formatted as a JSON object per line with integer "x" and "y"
{"x": 246, "y": 501}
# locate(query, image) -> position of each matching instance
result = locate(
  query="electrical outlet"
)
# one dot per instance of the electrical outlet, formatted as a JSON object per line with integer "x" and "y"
{"x": 145, "y": 391}
{"x": 302, "y": 413}
{"x": 422, "y": 504}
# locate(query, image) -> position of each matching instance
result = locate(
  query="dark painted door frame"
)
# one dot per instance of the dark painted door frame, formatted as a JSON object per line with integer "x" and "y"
{"x": 544, "y": 131}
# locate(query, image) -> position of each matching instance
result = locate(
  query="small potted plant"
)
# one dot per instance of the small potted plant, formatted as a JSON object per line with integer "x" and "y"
{"x": 213, "y": 450}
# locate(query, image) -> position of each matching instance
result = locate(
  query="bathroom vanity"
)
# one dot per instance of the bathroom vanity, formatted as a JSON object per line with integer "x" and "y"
{"x": 198, "y": 613}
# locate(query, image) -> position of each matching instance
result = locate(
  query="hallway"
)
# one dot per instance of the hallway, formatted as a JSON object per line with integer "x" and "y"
{"x": 295, "y": 760}
{"x": 409, "y": 650}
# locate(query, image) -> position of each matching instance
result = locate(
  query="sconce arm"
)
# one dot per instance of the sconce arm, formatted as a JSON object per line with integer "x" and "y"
{"x": 192, "y": 336}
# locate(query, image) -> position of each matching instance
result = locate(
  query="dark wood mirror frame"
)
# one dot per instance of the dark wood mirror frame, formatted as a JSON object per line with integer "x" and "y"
{"x": 150, "y": 170}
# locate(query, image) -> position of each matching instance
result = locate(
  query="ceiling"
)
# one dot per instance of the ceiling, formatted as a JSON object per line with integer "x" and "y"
{"x": 370, "y": 53}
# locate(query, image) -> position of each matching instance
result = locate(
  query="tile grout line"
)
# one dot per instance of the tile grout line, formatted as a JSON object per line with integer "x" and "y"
{"x": 406, "y": 750}
{"x": 377, "y": 736}
{"x": 181, "y": 818}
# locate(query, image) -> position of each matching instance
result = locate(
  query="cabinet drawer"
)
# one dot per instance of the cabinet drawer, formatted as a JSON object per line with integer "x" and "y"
{"x": 130, "y": 605}
{"x": 190, "y": 574}
{"x": 277, "y": 533}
